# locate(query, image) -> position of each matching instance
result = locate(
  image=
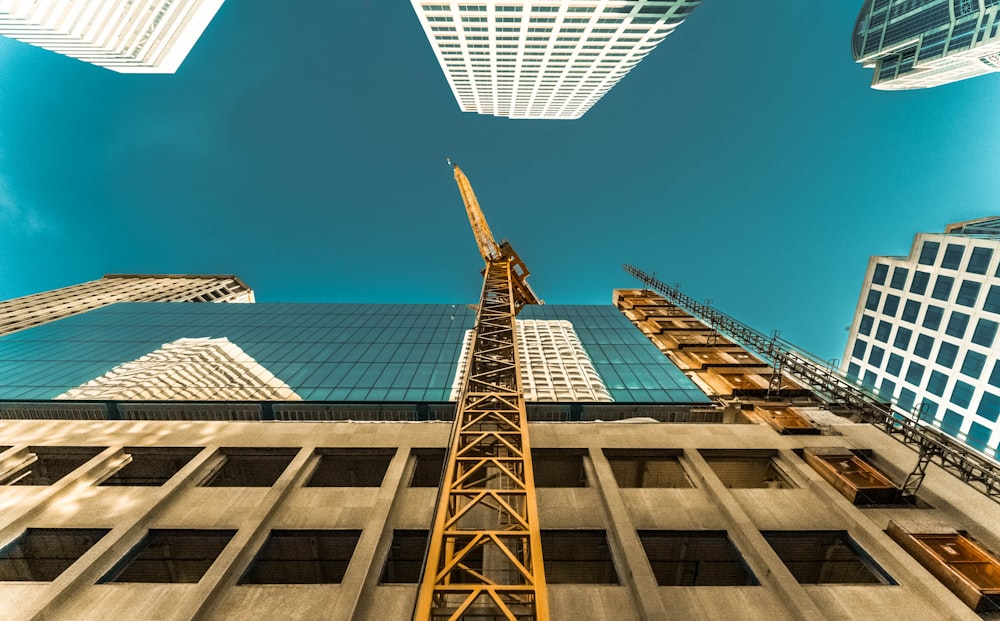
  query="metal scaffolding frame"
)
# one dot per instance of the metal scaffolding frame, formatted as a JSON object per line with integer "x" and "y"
{"x": 970, "y": 466}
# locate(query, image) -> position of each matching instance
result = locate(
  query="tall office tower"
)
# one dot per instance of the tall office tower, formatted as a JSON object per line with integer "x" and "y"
{"x": 923, "y": 43}
{"x": 169, "y": 461}
{"x": 543, "y": 59}
{"x": 924, "y": 332}
{"x": 32, "y": 310}
{"x": 127, "y": 36}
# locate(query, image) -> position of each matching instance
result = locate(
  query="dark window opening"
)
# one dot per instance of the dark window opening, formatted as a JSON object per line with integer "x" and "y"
{"x": 247, "y": 467}
{"x": 350, "y": 467}
{"x": 825, "y": 557}
{"x": 747, "y": 469}
{"x": 647, "y": 468}
{"x": 303, "y": 557}
{"x": 41, "y": 554}
{"x": 52, "y": 464}
{"x": 559, "y": 467}
{"x": 577, "y": 557}
{"x": 151, "y": 466}
{"x": 429, "y": 467}
{"x": 406, "y": 557}
{"x": 695, "y": 558}
{"x": 172, "y": 556}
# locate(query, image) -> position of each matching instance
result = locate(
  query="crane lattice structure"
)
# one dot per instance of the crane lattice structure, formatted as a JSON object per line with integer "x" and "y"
{"x": 979, "y": 471}
{"x": 484, "y": 556}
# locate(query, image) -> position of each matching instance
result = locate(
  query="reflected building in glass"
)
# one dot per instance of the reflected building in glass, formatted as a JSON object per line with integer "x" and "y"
{"x": 923, "y": 43}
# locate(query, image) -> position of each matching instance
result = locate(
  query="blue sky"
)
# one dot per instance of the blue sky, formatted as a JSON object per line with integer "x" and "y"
{"x": 745, "y": 158}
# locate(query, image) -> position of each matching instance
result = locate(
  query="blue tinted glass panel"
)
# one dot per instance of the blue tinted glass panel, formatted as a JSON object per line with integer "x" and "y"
{"x": 883, "y": 331}
{"x": 978, "y": 436}
{"x": 928, "y": 410}
{"x": 881, "y": 270}
{"x": 924, "y": 346}
{"x": 957, "y": 324}
{"x": 915, "y": 373}
{"x": 865, "y": 325}
{"x": 979, "y": 260}
{"x": 992, "y": 302}
{"x": 910, "y": 311}
{"x": 967, "y": 293}
{"x": 853, "y": 371}
{"x": 928, "y": 253}
{"x": 859, "y": 349}
{"x": 891, "y": 305}
{"x": 951, "y": 424}
{"x": 894, "y": 364}
{"x": 973, "y": 364}
{"x": 947, "y": 354}
{"x": 902, "y": 340}
{"x": 953, "y": 256}
{"x": 919, "y": 284}
{"x": 942, "y": 287}
{"x": 989, "y": 406}
{"x": 937, "y": 382}
{"x": 961, "y": 394}
{"x": 984, "y": 333}
{"x": 875, "y": 357}
{"x": 886, "y": 389}
{"x": 933, "y": 317}
{"x": 899, "y": 275}
{"x": 868, "y": 381}
{"x": 873, "y": 298}
{"x": 906, "y": 397}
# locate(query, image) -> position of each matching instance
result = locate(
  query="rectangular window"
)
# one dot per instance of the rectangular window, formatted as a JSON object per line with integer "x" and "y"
{"x": 979, "y": 260}
{"x": 350, "y": 467}
{"x": 910, "y": 311}
{"x": 928, "y": 253}
{"x": 647, "y": 468}
{"x": 915, "y": 373}
{"x": 883, "y": 331}
{"x": 951, "y": 422}
{"x": 992, "y": 302}
{"x": 151, "y": 465}
{"x": 825, "y": 557}
{"x": 894, "y": 364}
{"x": 42, "y": 554}
{"x": 747, "y": 469}
{"x": 873, "y": 299}
{"x": 172, "y": 556}
{"x": 937, "y": 383}
{"x": 891, "y": 305}
{"x": 953, "y": 256}
{"x": 578, "y": 557}
{"x": 933, "y": 317}
{"x": 957, "y": 324}
{"x": 886, "y": 389}
{"x": 961, "y": 394}
{"x": 303, "y": 557}
{"x": 973, "y": 364}
{"x": 429, "y": 467}
{"x": 875, "y": 356}
{"x": 694, "y": 558}
{"x": 989, "y": 406}
{"x": 879, "y": 274}
{"x": 942, "y": 287}
{"x": 984, "y": 333}
{"x": 250, "y": 467}
{"x": 559, "y": 467}
{"x": 947, "y": 354}
{"x": 853, "y": 371}
{"x": 906, "y": 397}
{"x": 406, "y": 557}
{"x": 902, "y": 340}
{"x": 865, "y": 325}
{"x": 919, "y": 284}
{"x": 967, "y": 293}
{"x": 899, "y": 275}
{"x": 859, "y": 349}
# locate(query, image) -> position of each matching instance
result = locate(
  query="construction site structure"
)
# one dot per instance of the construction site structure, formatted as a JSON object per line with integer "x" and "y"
{"x": 484, "y": 555}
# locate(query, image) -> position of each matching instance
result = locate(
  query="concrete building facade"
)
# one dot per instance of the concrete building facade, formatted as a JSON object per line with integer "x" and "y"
{"x": 543, "y": 59}
{"x": 142, "y": 36}
{"x": 923, "y": 43}
{"x": 924, "y": 331}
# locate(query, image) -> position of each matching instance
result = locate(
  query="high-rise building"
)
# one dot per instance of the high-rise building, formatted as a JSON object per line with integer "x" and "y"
{"x": 923, "y": 43}
{"x": 140, "y": 36}
{"x": 178, "y": 461}
{"x": 543, "y": 59}
{"x": 39, "y": 308}
{"x": 924, "y": 332}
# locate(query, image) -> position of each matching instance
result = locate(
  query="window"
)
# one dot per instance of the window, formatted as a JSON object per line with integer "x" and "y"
{"x": 559, "y": 467}
{"x": 825, "y": 557}
{"x": 873, "y": 298}
{"x": 171, "y": 556}
{"x": 899, "y": 275}
{"x": 933, "y": 317}
{"x": 647, "y": 468}
{"x": 886, "y": 389}
{"x": 937, "y": 383}
{"x": 303, "y": 557}
{"x": 928, "y": 253}
{"x": 910, "y": 311}
{"x": 957, "y": 324}
{"x": 865, "y": 325}
{"x": 891, "y": 305}
{"x": 902, "y": 340}
{"x": 577, "y": 557}
{"x": 883, "y": 331}
{"x": 429, "y": 467}
{"x": 151, "y": 466}
{"x": 894, "y": 364}
{"x": 942, "y": 287}
{"x": 868, "y": 381}
{"x": 406, "y": 557}
{"x": 906, "y": 397}
{"x": 915, "y": 373}
{"x": 919, "y": 284}
{"x": 694, "y": 558}
{"x": 42, "y": 554}
{"x": 973, "y": 364}
{"x": 984, "y": 333}
{"x": 350, "y": 467}
{"x": 52, "y": 463}
{"x": 992, "y": 302}
{"x": 853, "y": 370}
{"x": 953, "y": 256}
{"x": 878, "y": 276}
{"x": 961, "y": 394}
{"x": 924, "y": 346}
{"x": 875, "y": 356}
{"x": 978, "y": 436}
{"x": 947, "y": 354}
{"x": 967, "y": 293}
{"x": 989, "y": 406}
{"x": 247, "y": 467}
{"x": 979, "y": 260}
{"x": 951, "y": 423}
{"x": 928, "y": 410}
{"x": 747, "y": 469}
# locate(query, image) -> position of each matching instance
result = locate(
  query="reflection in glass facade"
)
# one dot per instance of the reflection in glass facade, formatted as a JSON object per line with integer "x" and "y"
{"x": 325, "y": 352}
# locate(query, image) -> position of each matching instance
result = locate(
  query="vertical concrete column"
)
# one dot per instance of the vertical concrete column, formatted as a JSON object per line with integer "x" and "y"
{"x": 761, "y": 558}
{"x": 624, "y": 540}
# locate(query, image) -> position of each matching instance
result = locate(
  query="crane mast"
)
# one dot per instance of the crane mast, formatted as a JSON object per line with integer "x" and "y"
{"x": 484, "y": 556}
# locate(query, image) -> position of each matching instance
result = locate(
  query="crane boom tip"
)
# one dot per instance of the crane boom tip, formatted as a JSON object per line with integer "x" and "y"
{"x": 450, "y": 163}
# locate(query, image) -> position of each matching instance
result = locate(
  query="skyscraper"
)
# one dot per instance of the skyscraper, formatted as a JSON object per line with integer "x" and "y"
{"x": 543, "y": 59}
{"x": 141, "y": 36}
{"x": 39, "y": 308}
{"x": 226, "y": 461}
{"x": 924, "y": 331}
{"x": 923, "y": 43}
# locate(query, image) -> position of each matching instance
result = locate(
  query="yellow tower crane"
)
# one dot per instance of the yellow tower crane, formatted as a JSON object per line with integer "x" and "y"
{"x": 484, "y": 557}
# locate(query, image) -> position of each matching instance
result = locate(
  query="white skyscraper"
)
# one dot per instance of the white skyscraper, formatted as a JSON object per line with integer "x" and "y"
{"x": 127, "y": 36}
{"x": 542, "y": 59}
{"x": 925, "y": 331}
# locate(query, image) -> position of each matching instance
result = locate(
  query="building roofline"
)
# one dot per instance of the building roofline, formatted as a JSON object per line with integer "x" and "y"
{"x": 205, "y": 276}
